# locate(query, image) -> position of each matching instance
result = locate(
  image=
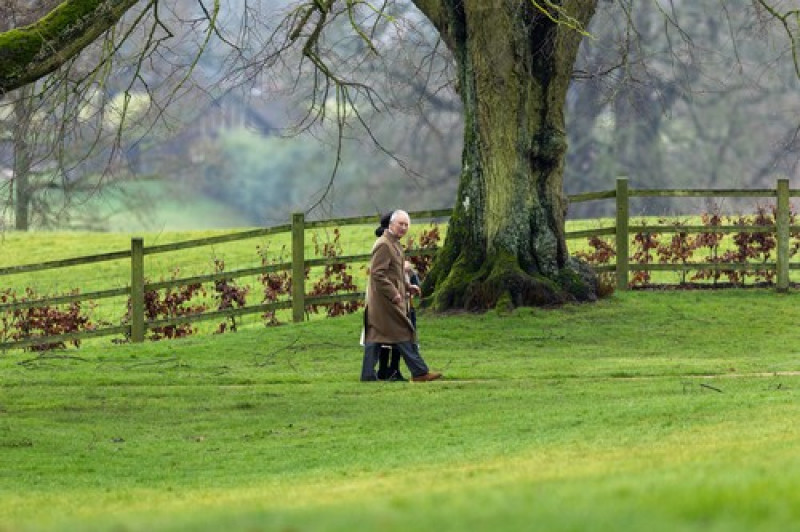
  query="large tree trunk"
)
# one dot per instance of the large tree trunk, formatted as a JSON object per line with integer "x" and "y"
{"x": 505, "y": 243}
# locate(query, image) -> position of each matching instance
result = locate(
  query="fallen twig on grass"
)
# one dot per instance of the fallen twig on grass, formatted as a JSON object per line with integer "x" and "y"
{"x": 30, "y": 361}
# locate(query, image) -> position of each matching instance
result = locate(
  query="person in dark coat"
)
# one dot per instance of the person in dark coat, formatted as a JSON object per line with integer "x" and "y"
{"x": 386, "y": 320}
{"x": 413, "y": 278}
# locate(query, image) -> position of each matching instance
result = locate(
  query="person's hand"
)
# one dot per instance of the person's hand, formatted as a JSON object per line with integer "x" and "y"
{"x": 414, "y": 290}
{"x": 397, "y": 299}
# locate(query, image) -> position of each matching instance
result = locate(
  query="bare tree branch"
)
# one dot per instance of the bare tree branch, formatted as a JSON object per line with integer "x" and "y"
{"x": 790, "y": 20}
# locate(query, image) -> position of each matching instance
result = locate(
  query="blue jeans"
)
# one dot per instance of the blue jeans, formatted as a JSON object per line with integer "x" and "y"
{"x": 408, "y": 350}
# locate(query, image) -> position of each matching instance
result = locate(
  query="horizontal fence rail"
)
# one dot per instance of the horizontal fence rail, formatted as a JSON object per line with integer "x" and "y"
{"x": 298, "y": 301}
{"x": 91, "y": 259}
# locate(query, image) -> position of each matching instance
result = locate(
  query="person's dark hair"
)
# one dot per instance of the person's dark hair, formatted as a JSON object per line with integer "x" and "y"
{"x": 385, "y": 219}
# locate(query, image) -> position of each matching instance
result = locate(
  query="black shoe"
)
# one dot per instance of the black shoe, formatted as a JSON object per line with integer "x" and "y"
{"x": 397, "y": 377}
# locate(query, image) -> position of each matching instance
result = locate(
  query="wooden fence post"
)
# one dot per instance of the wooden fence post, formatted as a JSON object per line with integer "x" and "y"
{"x": 137, "y": 289}
{"x": 298, "y": 267}
{"x": 782, "y": 233}
{"x": 622, "y": 233}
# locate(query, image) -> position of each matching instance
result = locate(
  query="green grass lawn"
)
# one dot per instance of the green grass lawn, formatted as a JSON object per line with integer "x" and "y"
{"x": 646, "y": 411}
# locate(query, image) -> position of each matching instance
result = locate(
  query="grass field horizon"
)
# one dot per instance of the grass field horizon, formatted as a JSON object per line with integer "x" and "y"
{"x": 644, "y": 411}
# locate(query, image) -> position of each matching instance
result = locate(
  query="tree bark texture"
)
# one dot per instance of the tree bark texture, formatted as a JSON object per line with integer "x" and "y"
{"x": 505, "y": 244}
{"x": 30, "y": 52}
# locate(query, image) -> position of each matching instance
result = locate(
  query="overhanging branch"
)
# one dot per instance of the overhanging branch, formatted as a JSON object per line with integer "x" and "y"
{"x": 31, "y": 52}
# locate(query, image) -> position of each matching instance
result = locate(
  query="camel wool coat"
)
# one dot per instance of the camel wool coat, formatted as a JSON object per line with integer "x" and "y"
{"x": 384, "y": 321}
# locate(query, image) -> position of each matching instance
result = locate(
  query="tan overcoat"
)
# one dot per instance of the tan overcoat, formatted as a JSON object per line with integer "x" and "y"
{"x": 384, "y": 321}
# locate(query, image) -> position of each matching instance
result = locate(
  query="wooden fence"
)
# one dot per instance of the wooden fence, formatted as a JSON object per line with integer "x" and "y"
{"x": 622, "y": 229}
{"x": 299, "y": 301}
{"x": 137, "y": 289}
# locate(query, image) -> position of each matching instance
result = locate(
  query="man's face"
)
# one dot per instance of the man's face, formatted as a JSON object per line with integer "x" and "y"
{"x": 399, "y": 225}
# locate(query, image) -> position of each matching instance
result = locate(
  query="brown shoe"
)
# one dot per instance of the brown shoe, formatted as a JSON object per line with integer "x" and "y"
{"x": 431, "y": 376}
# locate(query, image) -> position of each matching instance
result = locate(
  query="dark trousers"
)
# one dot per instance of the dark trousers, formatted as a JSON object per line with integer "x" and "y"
{"x": 408, "y": 350}
{"x": 389, "y": 364}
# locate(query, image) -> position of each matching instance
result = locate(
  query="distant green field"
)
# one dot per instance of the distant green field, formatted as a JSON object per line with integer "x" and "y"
{"x": 145, "y": 205}
{"x": 671, "y": 411}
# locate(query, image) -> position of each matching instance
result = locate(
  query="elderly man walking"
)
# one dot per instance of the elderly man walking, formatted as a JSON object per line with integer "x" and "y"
{"x": 386, "y": 319}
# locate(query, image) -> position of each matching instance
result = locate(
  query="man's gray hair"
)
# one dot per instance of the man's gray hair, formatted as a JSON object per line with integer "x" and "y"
{"x": 396, "y": 213}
